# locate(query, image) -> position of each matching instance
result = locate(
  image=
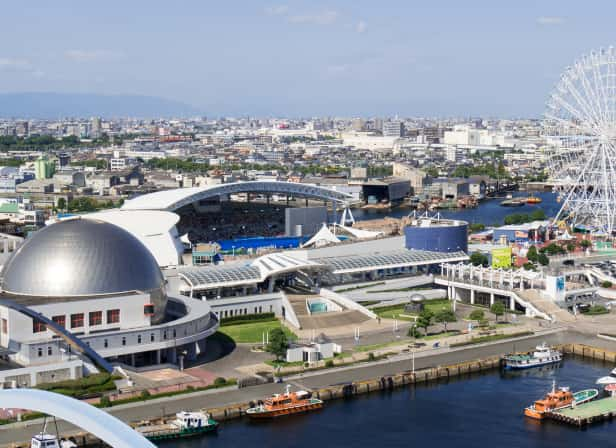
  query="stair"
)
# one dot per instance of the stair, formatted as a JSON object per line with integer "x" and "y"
{"x": 323, "y": 320}
{"x": 546, "y": 306}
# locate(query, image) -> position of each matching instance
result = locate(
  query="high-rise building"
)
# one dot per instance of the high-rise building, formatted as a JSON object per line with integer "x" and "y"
{"x": 22, "y": 128}
{"x": 44, "y": 168}
{"x": 95, "y": 127}
{"x": 394, "y": 128}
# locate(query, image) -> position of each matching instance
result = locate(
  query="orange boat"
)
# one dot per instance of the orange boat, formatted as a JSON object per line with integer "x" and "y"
{"x": 533, "y": 200}
{"x": 285, "y": 404}
{"x": 560, "y": 398}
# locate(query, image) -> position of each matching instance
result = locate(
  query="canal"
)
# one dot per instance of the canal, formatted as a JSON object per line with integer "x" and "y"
{"x": 489, "y": 212}
{"x": 481, "y": 410}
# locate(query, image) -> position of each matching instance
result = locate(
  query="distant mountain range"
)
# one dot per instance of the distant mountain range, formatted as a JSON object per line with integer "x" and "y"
{"x": 60, "y": 105}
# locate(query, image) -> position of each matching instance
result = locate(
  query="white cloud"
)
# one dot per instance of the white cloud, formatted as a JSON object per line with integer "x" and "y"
{"x": 279, "y": 10}
{"x": 361, "y": 26}
{"x": 10, "y": 64}
{"x": 337, "y": 69}
{"x": 550, "y": 20}
{"x": 92, "y": 55}
{"x": 324, "y": 18}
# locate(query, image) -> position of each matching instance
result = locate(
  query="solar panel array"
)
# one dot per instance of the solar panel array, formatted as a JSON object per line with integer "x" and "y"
{"x": 200, "y": 277}
{"x": 406, "y": 257}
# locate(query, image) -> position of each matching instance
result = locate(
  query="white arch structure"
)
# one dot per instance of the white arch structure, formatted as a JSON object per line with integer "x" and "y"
{"x": 176, "y": 198}
{"x": 99, "y": 423}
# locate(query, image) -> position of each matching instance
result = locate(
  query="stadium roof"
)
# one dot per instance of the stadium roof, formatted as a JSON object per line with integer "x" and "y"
{"x": 221, "y": 276}
{"x": 389, "y": 260}
{"x": 174, "y": 199}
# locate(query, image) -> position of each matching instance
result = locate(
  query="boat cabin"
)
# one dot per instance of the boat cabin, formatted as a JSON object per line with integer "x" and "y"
{"x": 191, "y": 419}
{"x": 555, "y": 399}
{"x": 43, "y": 440}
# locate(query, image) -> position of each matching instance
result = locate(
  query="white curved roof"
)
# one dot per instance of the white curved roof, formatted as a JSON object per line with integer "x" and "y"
{"x": 99, "y": 423}
{"x": 178, "y": 197}
{"x": 257, "y": 271}
{"x": 154, "y": 228}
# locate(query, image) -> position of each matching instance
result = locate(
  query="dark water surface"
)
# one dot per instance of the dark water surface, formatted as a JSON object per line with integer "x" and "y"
{"x": 488, "y": 212}
{"x": 483, "y": 410}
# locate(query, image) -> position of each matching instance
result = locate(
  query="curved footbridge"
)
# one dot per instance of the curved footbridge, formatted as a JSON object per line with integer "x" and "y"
{"x": 98, "y": 423}
{"x": 520, "y": 288}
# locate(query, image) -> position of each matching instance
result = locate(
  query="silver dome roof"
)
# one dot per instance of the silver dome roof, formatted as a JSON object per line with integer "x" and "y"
{"x": 81, "y": 257}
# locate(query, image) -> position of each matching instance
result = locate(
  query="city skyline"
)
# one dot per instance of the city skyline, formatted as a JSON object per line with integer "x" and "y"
{"x": 305, "y": 58}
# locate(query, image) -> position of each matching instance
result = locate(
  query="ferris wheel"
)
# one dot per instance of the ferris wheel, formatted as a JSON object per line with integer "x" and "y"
{"x": 580, "y": 128}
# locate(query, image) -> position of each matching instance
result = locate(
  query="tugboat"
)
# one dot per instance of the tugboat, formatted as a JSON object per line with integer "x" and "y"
{"x": 285, "y": 404}
{"x": 542, "y": 355}
{"x": 46, "y": 440}
{"x": 186, "y": 424}
{"x": 559, "y": 399}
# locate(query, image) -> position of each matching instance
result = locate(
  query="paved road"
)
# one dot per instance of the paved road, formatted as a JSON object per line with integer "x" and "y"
{"x": 208, "y": 399}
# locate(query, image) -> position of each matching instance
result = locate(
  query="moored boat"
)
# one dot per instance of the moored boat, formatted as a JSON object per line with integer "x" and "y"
{"x": 542, "y": 355}
{"x": 533, "y": 200}
{"x": 46, "y": 440}
{"x": 517, "y": 202}
{"x": 285, "y": 404}
{"x": 186, "y": 424}
{"x": 608, "y": 379}
{"x": 560, "y": 398}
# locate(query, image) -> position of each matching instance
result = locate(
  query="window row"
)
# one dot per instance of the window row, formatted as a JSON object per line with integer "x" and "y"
{"x": 77, "y": 320}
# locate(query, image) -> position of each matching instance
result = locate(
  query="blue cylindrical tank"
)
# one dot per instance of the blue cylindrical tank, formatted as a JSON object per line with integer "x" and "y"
{"x": 440, "y": 236}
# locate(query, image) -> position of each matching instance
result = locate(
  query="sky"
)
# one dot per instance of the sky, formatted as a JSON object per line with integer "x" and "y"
{"x": 305, "y": 57}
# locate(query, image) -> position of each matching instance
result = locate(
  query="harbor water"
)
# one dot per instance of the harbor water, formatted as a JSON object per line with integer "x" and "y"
{"x": 480, "y": 410}
{"x": 489, "y": 211}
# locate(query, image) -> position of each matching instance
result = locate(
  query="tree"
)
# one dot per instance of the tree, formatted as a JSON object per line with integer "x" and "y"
{"x": 585, "y": 244}
{"x": 476, "y": 315}
{"x": 62, "y": 204}
{"x": 570, "y": 247}
{"x": 532, "y": 254}
{"x": 444, "y": 317}
{"x": 606, "y": 284}
{"x": 543, "y": 259}
{"x": 498, "y": 309}
{"x": 478, "y": 259}
{"x": 476, "y": 227}
{"x": 529, "y": 266}
{"x": 278, "y": 343}
{"x": 425, "y": 320}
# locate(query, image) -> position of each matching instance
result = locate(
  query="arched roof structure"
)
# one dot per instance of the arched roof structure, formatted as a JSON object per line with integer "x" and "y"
{"x": 99, "y": 423}
{"x": 176, "y": 198}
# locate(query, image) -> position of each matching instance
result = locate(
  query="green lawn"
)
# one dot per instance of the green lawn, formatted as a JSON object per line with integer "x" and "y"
{"x": 253, "y": 332}
{"x": 394, "y": 311}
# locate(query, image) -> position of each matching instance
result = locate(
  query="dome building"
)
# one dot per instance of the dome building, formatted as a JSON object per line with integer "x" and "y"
{"x": 100, "y": 284}
{"x": 76, "y": 259}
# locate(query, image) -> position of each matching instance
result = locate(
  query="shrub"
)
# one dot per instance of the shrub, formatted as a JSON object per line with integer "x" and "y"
{"x": 371, "y": 356}
{"x": 606, "y": 284}
{"x": 145, "y": 394}
{"x": 105, "y": 402}
{"x": 248, "y": 318}
{"x": 478, "y": 315}
{"x": 329, "y": 363}
{"x": 220, "y": 381}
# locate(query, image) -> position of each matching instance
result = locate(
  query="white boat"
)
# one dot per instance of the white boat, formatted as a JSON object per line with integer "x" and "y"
{"x": 609, "y": 379}
{"x": 542, "y": 355}
{"x": 44, "y": 440}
